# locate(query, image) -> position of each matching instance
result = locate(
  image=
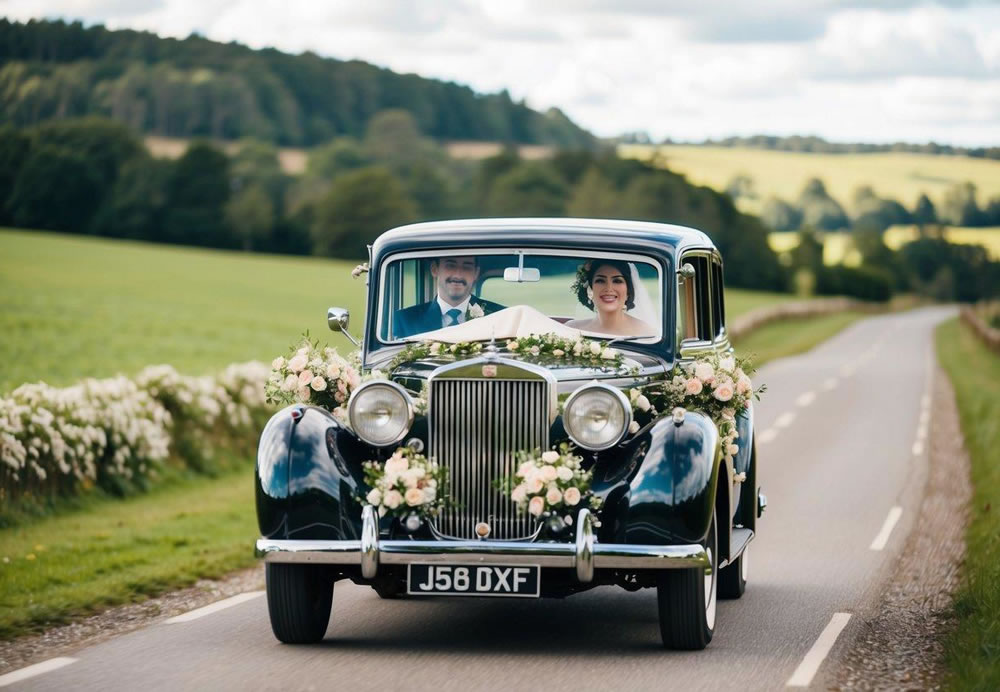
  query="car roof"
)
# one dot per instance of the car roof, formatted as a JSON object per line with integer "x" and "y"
{"x": 520, "y": 229}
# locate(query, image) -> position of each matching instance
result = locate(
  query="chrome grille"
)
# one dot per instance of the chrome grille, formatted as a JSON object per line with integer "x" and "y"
{"x": 476, "y": 426}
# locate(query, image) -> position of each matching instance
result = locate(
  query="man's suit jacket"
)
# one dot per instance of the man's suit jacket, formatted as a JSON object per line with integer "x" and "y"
{"x": 427, "y": 317}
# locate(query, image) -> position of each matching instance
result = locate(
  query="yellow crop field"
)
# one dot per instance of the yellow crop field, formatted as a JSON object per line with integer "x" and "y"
{"x": 839, "y": 247}
{"x": 898, "y": 175}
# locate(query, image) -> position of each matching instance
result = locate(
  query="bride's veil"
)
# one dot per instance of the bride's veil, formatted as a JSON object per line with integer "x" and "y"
{"x": 644, "y": 309}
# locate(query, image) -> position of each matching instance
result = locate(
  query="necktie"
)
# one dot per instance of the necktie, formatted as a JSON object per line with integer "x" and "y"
{"x": 451, "y": 317}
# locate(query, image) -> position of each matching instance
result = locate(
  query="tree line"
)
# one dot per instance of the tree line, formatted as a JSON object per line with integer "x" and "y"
{"x": 194, "y": 87}
{"x": 813, "y": 144}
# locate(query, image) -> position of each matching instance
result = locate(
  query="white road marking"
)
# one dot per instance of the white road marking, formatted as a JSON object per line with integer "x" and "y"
{"x": 918, "y": 448}
{"x": 803, "y": 675}
{"x": 922, "y": 433}
{"x": 925, "y": 417}
{"x": 215, "y": 607}
{"x": 925, "y": 401}
{"x": 890, "y": 523}
{"x": 784, "y": 420}
{"x": 831, "y": 383}
{"x": 37, "y": 669}
{"x": 767, "y": 436}
{"x": 806, "y": 399}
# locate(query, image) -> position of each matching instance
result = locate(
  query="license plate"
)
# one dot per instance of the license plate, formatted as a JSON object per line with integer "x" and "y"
{"x": 431, "y": 579}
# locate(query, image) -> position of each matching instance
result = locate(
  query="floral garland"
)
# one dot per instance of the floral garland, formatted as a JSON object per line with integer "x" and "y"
{"x": 554, "y": 349}
{"x": 407, "y": 483}
{"x": 550, "y": 485}
{"x": 315, "y": 375}
{"x": 426, "y": 349}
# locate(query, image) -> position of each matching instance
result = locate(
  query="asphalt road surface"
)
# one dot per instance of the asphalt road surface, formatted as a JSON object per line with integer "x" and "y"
{"x": 841, "y": 435}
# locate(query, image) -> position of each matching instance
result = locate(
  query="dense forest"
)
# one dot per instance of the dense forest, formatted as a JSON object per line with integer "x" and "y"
{"x": 200, "y": 88}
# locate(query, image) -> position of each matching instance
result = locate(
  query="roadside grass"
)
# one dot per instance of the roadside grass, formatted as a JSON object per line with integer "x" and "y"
{"x": 74, "y": 307}
{"x": 112, "y": 551}
{"x": 782, "y": 339}
{"x": 972, "y": 652}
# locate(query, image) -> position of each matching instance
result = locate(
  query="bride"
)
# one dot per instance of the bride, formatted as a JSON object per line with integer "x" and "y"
{"x": 608, "y": 287}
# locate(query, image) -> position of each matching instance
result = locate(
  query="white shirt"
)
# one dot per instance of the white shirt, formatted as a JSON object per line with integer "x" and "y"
{"x": 445, "y": 307}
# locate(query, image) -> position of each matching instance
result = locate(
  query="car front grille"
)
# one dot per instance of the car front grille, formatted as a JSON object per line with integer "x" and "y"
{"x": 476, "y": 426}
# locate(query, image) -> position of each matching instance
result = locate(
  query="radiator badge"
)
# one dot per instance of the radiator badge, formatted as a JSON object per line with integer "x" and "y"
{"x": 489, "y": 371}
{"x": 482, "y": 529}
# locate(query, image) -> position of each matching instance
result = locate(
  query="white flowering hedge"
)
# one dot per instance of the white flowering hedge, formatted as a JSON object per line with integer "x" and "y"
{"x": 116, "y": 432}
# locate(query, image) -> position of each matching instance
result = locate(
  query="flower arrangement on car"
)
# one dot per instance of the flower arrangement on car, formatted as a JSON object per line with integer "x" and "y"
{"x": 407, "y": 483}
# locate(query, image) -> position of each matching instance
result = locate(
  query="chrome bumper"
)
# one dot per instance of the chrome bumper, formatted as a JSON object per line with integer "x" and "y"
{"x": 584, "y": 555}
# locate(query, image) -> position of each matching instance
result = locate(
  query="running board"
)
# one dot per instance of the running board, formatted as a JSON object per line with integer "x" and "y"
{"x": 741, "y": 538}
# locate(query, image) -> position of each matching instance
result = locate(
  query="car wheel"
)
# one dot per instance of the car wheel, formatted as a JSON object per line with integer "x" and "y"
{"x": 733, "y": 578}
{"x": 299, "y": 599}
{"x": 687, "y": 600}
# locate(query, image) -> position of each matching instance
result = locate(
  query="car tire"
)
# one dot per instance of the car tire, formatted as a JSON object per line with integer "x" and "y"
{"x": 299, "y": 600}
{"x": 687, "y": 600}
{"x": 733, "y": 578}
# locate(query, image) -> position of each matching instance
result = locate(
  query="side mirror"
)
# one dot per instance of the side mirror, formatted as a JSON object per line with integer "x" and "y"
{"x": 338, "y": 319}
{"x": 686, "y": 271}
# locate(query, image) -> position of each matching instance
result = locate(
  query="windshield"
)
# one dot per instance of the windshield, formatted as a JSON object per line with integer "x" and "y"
{"x": 603, "y": 294}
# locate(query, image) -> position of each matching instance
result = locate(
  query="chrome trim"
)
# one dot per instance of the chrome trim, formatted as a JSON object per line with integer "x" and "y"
{"x": 381, "y": 383}
{"x": 562, "y": 555}
{"x": 442, "y": 537}
{"x": 622, "y": 399}
{"x": 368, "y": 546}
{"x": 585, "y": 546}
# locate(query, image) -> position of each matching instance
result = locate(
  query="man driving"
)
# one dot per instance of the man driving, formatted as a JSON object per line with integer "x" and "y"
{"x": 454, "y": 279}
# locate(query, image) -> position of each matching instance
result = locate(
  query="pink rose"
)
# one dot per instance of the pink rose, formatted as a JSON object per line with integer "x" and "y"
{"x": 298, "y": 362}
{"x": 553, "y": 496}
{"x": 414, "y": 497}
{"x": 693, "y": 386}
{"x": 743, "y": 385}
{"x": 536, "y": 506}
{"x": 305, "y": 377}
{"x": 318, "y": 384}
{"x": 571, "y": 496}
{"x": 724, "y": 390}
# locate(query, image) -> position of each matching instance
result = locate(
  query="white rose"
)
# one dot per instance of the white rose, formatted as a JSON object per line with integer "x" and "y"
{"x": 633, "y": 428}
{"x": 534, "y": 485}
{"x": 430, "y": 494}
{"x": 318, "y": 383}
{"x": 409, "y": 478}
{"x": 704, "y": 372}
{"x": 396, "y": 465}
{"x": 549, "y": 473}
{"x": 571, "y": 496}
{"x": 693, "y": 386}
{"x": 642, "y": 403}
{"x": 374, "y": 497}
{"x": 303, "y": 394}
{"x": 512, "y": 345}
{"x": 536, "y": 506}
{"x": 333, "y": 371}
{"x": 728, "y": 363}
{"x": 558, "y": 352}
{"x": 290, "y": 383}
{"x": 475, "y": 311}
{"x": 519, "y": 494}
{"x": 414, "y": 497}
{"x": 298, "y": 362}
{"x": 526, "y": 469}
{"x": 278, "y": 363}
{"x": 724, "y": 390}
{"x": 553, "y": 496}
{"x": 578, "y": 348}
{"x": 392, "y": 499}
{"x": 608, "y": 354}
{"x": 550, "y": 457}
{"x": 565, "y": 473}
{"x": 595, "y": 348}
{"x": 535, "y": 350}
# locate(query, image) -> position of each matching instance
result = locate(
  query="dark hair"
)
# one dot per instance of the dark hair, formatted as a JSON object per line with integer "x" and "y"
{"x": 585, "y": 278}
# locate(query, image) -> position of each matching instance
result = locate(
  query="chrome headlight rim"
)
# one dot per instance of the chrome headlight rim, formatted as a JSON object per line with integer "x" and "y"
{"x": 407, "y": 400}
{"x": 622, "y": 400}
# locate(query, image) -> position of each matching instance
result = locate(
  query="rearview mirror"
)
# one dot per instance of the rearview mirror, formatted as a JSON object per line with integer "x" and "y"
{"x": 338, "y": 319}
{"x": 521, "y": 274}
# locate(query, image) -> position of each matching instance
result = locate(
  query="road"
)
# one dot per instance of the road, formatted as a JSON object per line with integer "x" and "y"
{"x": 840, "y": 435}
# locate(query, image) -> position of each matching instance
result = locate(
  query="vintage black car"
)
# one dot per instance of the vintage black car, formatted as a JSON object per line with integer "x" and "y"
{"x": 676, "y": 512}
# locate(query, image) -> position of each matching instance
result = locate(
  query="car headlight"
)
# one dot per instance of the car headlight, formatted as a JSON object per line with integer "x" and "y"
{"x": 597, "y": 416}
{"x": 381, "y": 413}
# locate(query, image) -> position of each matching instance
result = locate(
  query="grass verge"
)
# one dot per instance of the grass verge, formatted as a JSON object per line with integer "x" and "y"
{"x": 781, "y": 339}
{"x": 972, "y": 652}
{"x": 113, "y": 551}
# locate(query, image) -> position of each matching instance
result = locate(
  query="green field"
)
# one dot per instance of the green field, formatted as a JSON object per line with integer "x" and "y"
{"x": 898, "y": 175}
{"x": 973, "y": 650}
{"x": 74, "y": 307}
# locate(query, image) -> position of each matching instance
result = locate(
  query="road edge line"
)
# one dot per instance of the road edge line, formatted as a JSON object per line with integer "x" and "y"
{"x": 887, "y": 526}
{"x": 803, "y": 675}
{"x": 214, "y": 607}
{"x": 36, "y": 669}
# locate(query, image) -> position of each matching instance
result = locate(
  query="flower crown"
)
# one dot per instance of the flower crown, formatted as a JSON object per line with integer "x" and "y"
{"x": 580, "y": 283}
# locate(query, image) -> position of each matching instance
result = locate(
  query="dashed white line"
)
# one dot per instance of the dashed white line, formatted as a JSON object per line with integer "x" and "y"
{"x": 37, "y": 669}
{"x": 921, "y": 433}
{"x": 806, "y": 399}
{"x": 767, "y": 436}
{"x": 803, "y": 675}
{"x": 784, "y": 420}
{"x": 890, "y": 523}
{"x": 918, "y": 448}
{"x": 925, "y": 401}
{"x": 215, "y": 607}
{"x": 831, "y": 383}
{"x": 925, "y": 417}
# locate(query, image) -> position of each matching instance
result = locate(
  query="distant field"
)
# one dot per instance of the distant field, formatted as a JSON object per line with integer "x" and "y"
{"x": 901, "y": 176}
{"x": 839, "y": 247}
{"x": 73, "y": 307}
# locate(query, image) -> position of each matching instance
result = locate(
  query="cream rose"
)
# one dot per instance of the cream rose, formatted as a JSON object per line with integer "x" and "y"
{"x": 733, "y": 450}
{"x": 374, "y": 497}
{"x": 278, "y": 363}
{"x": 290, "y": 383}
{"x": 513, "y": 345}
{"x": 642, "y": 403}
{"x": 572, "y": 496}
{"x": 693, "y": 386}
{"x": 595, "y": 348}
{"x": 550, "y": 457}
{"x": 536, "y": 506}
{"x": 704, "y": 372}
{"x": 608, "y": 354}
{"x": 743, "y": 385}
{"x": 553, "y": 496}
{"x": 303, "y": 394}
{"x": 414, "y": 497}
{"x": 565, "y": 473}
{"x": 305, "y": 377}
{"x": 549, "y": 473}
{"x": 723, "y": 391}
{"x": 392, "y": 499}
{"x": 558, "y": 352}
{"x": 519, "y": 494}
{"x": 396, "y": 465}
{"x": 318, "y": 384}
{"x": 534, "y": 485}
{"x": 298, "y": 362}
{"x": 333, "y": 371}
{"x": 728, "y": 363}
{"x": 430, "y": 494}
{"x": 633, "y": 428}
{"x": 526, "y": 469}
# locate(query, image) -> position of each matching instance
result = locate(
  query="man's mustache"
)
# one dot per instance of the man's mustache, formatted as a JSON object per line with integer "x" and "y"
{"x": 456, "y": 281}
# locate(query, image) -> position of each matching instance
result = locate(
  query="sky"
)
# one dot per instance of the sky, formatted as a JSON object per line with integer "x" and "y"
{"x": 845, "y": 70}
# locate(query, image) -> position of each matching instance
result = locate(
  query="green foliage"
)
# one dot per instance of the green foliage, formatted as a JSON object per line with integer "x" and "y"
{"x": 528, "y": 189}
{"x": 337, "y": 156}
{"x": 971, "y": 651}
{"x": 960, "y": 207}
{"x": 197, "y": 192}
{"x": 865, "y": 282}
{"x": 14, "y": 146}
{"x": 791, "y": 337}
{"x": 595, "y": 196}
{"x": 780, "y": 215}
{"x": 924, "y": 213}
{"x": 250, "y": 215}
{"x": 358, "y": 208}
{"x": 949, "y": 271}
{"x": 135, "y": 205}
{"x": 56, "y": 189}
{"x": 819, "y": 209}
